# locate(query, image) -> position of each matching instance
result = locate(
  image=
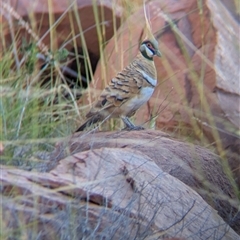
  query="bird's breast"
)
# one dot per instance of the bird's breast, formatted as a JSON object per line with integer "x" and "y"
{"x": 138, "y": 100}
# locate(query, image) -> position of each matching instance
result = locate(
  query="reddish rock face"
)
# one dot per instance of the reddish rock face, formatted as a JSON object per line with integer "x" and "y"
{"x": 68, "y": 23}
{"x": 189, "y": 94}
{"x": 173, "y": 89}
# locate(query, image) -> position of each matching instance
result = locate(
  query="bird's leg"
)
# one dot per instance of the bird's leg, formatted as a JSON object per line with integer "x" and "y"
{"x": 130, "y": 125}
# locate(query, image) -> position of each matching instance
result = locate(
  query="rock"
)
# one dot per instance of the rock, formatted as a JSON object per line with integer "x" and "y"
{"x": 193, "y": 165}
{"x": 108, "y": 192}
{"x": 179, "y": 76}
{"x": 62, "y": 12}
{"x": 172, "y": 68}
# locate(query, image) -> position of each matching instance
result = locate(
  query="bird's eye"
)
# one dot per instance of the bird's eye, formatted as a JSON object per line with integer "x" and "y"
{"x": 149, "y": 45}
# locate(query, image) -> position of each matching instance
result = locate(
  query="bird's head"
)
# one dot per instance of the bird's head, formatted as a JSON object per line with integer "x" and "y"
{"x": 149, "y": 48}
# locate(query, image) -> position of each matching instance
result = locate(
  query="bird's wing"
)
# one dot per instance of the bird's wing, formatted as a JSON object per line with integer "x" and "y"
{"x": 123, "y": 87}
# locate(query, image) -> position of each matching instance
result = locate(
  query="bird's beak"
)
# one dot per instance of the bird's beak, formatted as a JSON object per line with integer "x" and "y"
{"x": 158, "y": 53}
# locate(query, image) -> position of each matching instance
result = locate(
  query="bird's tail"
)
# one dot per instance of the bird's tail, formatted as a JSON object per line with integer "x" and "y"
{"x": 92, "y": 120}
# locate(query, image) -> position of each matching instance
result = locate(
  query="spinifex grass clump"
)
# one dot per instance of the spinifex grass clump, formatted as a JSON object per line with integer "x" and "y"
{"x": 30, "y": 115}
{"x": 33, "y": 115}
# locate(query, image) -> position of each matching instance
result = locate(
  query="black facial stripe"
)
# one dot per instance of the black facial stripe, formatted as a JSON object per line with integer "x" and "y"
{"x": 151, "y": 49}
{"x": 146, "y": 55}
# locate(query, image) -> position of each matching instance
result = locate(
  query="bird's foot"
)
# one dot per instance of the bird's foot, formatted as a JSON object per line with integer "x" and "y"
{"x": 133, "y": 128}
{"x": 130, "y": 126}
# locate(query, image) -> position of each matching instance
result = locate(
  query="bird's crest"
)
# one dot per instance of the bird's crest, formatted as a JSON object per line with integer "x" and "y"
{"x": 148, "y": 30}
{"x": 149, "y": 35}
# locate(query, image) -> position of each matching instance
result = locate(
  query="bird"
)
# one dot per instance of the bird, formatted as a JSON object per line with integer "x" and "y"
{"x": 128, "y": 90}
